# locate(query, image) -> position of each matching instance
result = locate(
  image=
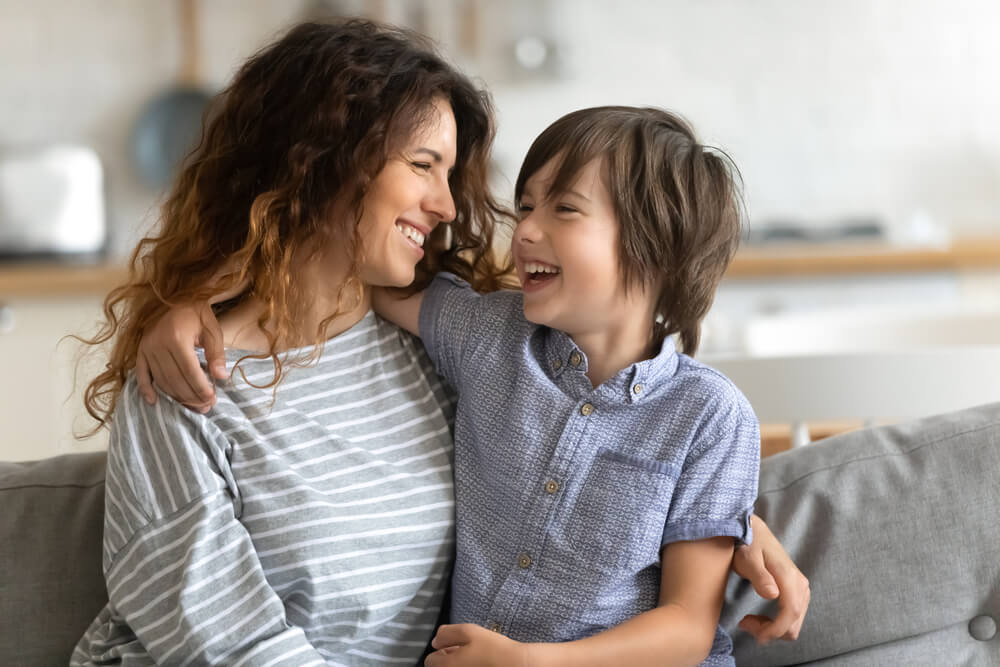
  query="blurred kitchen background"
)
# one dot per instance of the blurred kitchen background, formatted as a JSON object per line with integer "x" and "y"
{"x": 866, "y": 134}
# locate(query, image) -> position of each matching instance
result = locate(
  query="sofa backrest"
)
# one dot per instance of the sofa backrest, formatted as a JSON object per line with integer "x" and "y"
{"x": 51, "y": 584}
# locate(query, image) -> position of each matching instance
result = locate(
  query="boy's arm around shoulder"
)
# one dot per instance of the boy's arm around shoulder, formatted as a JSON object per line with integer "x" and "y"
{"x": 404, "y": 312}
{"x": 451, "y": 319}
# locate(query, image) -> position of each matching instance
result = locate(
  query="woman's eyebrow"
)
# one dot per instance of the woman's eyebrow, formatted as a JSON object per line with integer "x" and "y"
{"x": 433, "y": 153}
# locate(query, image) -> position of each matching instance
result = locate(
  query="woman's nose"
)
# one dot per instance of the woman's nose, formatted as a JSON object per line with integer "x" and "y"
{"x": 440, "y": 203}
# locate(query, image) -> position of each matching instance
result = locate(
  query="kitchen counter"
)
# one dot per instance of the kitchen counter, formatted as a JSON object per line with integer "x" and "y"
{"x": 50, "y": 279}
{"x": 59, "y": 280}
{"x": 799, "y": 259}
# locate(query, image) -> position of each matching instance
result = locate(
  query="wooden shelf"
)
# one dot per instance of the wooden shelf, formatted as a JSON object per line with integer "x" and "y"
{"x": 59, "y": 280}
{"x": 811, "y": 259}
{"x": 52, "y": 279}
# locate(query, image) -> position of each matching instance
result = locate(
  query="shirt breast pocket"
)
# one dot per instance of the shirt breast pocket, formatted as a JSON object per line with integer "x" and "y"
{"x": 617, "y": 522}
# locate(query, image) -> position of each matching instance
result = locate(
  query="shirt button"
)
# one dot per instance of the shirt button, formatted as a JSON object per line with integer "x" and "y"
{"x": 586, "y": 409}
{"x": 557, "y": 364}
{"x": 575, "y": 359}
{"x": 637, "y": 389}
{"x": 524, "y": 561}
{"x": 494, "y": 627}
{"x": 551, "y": 486}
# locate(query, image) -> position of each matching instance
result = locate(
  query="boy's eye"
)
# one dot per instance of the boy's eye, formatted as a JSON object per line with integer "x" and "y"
{"x": 525, "y": 208}
{"x": 563, "y": 208}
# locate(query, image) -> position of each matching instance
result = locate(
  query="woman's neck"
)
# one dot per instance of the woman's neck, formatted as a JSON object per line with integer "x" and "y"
{"x": 327, "y": 293}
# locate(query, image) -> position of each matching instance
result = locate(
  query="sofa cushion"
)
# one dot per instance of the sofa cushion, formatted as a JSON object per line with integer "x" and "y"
{"x": 51, "y": 584}
{"x": 897, "y": 530}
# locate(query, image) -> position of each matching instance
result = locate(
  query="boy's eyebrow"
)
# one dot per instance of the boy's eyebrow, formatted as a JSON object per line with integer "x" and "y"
{"x": 584, "y": 197}
{"x": 581, "y": 196}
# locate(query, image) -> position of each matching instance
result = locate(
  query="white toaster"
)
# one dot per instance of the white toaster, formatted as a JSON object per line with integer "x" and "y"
{"x": 51, "y": 202}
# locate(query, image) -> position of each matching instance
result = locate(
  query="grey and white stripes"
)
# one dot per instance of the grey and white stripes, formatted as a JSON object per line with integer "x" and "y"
{"x": 314, "y": 526}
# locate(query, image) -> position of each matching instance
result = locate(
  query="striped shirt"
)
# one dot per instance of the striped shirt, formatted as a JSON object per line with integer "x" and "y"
{"x": 567, "y": 493}
{"x": 311, "y": 526}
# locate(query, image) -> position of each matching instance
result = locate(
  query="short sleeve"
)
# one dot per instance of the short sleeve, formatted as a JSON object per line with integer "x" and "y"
{"x": 449, "y": 323}
{"x": 717, "y": 486}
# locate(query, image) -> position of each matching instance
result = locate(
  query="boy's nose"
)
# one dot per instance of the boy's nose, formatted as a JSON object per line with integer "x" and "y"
{"x": 527, "y": 230}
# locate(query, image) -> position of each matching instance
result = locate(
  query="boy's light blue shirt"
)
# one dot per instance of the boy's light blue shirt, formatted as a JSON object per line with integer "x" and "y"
{"x": 565, "y": 494}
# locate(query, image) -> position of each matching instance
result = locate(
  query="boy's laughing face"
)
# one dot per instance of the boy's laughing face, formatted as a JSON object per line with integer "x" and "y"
{"x": 566, "y": 249}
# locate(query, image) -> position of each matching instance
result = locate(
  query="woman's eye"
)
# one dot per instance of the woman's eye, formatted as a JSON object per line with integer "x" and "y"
{"x": 423, "y": 166}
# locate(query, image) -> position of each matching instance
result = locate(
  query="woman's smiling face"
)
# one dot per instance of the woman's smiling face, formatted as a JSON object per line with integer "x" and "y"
{"x": 407, "y": 200}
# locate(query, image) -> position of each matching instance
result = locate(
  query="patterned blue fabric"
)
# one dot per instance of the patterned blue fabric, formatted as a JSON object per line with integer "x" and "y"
{"x": 565, "y": 493}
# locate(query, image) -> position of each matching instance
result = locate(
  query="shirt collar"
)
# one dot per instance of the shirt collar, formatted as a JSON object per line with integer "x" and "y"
{"x": 632, "y": 384}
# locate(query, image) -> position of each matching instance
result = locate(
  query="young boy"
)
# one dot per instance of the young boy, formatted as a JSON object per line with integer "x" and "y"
{"x": 601, "y": 477}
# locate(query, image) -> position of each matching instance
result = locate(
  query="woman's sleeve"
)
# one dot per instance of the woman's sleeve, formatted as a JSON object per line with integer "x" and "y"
{"x": 181, "y": 570}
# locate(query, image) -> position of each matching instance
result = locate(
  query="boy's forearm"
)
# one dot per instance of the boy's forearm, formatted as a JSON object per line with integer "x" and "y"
{"x": 667, "y": 635}
{"x": 404, "y": 312}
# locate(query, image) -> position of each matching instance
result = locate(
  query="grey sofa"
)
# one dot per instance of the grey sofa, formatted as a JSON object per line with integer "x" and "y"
{"x": 898, "y": 529}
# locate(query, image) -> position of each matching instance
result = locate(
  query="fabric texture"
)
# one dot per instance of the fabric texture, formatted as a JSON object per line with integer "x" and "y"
{"x": 308, "y": 525}
{"x": 51, "y": 512}
{"x": 897, "y": 529}
{"x": 565, "y": 492}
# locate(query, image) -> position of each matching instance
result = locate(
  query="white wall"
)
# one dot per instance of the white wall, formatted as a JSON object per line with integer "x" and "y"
{"x": 830, "y": 108}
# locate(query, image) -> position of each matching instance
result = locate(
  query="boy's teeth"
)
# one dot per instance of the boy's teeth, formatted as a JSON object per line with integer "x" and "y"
{"x": 532, "y": 267}
{"x": 410, "y": 233}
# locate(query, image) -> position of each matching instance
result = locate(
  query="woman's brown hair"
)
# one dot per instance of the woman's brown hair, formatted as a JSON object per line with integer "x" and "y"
{"x": 304, "y": 128}
{"x": 678, "y": 204}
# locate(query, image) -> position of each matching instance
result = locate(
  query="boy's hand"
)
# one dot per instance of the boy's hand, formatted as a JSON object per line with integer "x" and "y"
{"x": 773, "y": 575}
{"x": 166, "y": 356}
{"x": 473, "y": 646}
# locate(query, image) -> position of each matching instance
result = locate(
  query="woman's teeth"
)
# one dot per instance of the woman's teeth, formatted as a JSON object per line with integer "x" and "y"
{"x": 532, "y": 267}
{"x": 410, "y": 233}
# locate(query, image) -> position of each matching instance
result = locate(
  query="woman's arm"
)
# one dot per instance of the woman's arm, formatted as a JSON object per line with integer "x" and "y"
{"x": 680, "y": 631}
{"x": 773, "y": 575}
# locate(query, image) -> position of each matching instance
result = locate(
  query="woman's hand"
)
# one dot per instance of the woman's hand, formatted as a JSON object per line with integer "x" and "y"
{"x": 468, "y": 644}
{"x": 166, "y": 356}
{"x": 773, "y": 575}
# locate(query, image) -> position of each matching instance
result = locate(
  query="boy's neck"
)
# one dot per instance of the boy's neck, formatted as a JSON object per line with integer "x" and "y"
{"x": 609, "y": 351}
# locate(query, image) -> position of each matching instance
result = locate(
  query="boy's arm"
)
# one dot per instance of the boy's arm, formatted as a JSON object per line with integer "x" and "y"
{"x": 680, "y": 631}
{"x": 166, "y": 353}
{"x": 403, "y": 312}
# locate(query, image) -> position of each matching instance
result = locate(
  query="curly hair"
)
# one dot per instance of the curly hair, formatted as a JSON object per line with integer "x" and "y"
{"x": 304, "y": 128}
{"x": 679, "y": 204}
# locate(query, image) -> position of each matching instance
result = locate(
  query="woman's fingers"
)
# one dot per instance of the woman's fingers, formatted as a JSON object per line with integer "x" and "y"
{"x": 755, "y": 570}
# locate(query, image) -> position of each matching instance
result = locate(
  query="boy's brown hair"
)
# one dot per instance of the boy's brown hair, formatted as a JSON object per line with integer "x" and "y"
{"x": 679, "y": 204}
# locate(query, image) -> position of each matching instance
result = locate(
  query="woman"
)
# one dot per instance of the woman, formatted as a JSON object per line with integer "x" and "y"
{"x": 308, "y": 516}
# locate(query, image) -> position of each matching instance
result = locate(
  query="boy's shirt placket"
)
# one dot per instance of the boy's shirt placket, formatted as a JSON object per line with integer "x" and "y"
{"x": 546, "y": 498}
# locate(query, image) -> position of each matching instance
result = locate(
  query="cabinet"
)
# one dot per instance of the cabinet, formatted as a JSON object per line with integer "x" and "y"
{"x": 41, "y": 383}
